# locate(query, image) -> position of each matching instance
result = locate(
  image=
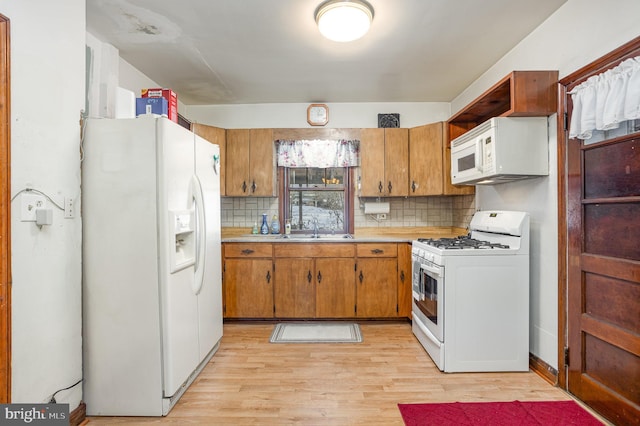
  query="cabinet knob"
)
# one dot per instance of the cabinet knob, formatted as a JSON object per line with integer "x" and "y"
{"x": 254, "y": 186}
{"x": 268, "y": 277}
{"x": 402, "y": 276}
{"x": 361, "y": 277}
{"x": 244, "y": 186}
{"x": 413, "y": 186}
{"x": 247, "y": 251}
{"x": 390, "y": 187}
{"x": 377, "y": 251}
{"x": 309, "y": 277}
{"x": 319, "y": 277}
{"x": 380, "y": 186}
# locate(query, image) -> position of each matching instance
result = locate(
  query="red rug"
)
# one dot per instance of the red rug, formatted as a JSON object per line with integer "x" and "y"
{"x": 547, "y": 413}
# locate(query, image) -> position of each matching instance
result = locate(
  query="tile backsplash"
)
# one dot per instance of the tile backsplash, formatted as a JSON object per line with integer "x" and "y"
{"x": 243, "y": 212}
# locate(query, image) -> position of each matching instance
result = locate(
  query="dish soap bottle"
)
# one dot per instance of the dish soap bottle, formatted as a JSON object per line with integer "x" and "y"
{"x": 264, "y": 229}
{"x": 254, "y": 230}
{"x": 287, "y": 227}
{"x": 275, "y": 225}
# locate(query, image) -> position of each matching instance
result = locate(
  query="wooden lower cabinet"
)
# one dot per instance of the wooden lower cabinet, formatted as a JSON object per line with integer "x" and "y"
{"x": 376, "y": 280}
{"x": 295, "y": 288}
{"x": 317, "y": 280}
{"x": 248, "y": 281}
{"x": 335, "y": 289}
{"x": 404, "y": 280}
{"x": 314, "y": 280}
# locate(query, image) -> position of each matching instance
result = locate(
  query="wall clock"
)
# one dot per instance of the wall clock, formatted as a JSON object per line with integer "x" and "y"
{"x": 317, "y": 114}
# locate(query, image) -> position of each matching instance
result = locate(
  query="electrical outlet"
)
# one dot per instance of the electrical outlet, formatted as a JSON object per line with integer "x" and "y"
{"x": 30, "y": 203}
{"x": 381, "y": 216}
{"x": 69, "y": 208}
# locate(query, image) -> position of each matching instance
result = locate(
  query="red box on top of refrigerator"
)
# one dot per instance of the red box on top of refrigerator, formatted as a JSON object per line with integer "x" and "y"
{"x": 169, "y": 95}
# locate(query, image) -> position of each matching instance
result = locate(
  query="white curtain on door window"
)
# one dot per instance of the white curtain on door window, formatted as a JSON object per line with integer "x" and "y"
{"x": 605, "y": 100}
{"x": 320, "y": 153}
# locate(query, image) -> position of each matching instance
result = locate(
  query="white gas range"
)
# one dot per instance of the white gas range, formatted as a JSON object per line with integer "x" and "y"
{"x": 471, "y": 295}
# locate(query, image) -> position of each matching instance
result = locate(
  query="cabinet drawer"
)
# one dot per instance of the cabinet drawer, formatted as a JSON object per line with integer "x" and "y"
{"x": 247, "y": 250}
{"x": 314, "y": 250}
{"x": 377, "y": 250}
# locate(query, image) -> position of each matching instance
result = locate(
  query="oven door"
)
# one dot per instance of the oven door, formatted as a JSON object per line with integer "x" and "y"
{"x": 428, "y": 300}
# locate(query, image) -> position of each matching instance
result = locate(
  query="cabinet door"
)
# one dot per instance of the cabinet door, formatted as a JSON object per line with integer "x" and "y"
{"x": 377, "y": 289}
{"x": 335, "y": 289}
{"x": 396, "y": 162}
{"x": 426, "y": 160}
{"x": 262, "y": 163}
{"x": 294, "y": 288}
{"x": 372, "y": 159}
{"x": 248, "y": 285}
{"x": 237, "y": 168}
{"x": 404, "y": 280}
{"x": 216, "y": 136}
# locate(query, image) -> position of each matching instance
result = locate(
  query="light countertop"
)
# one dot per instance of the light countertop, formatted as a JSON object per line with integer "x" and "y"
{"x": 387, "y": 234}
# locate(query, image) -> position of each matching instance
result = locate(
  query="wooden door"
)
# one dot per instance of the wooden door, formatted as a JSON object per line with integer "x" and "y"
{"x": 217, "y": 136}
{"x": 396, "y": 162}
{"x": 604, "y": 276}
{"x": 602, "y": 293}
{"x": 5, "y": 216}
{"x": 376, "y": 288}
{"x": 237, "y": 183}
{"x": 294, "y": 288}
{"x": 335, "y": 288}
{"x": 248, "y": 285}
{"x": 372, "y": 164}
{"x": 425, "y": 160}
{"x": 262, "y": 163}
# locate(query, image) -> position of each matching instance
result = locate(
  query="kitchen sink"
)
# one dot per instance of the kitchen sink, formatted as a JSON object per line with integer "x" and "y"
{"x": 316, "y": 237}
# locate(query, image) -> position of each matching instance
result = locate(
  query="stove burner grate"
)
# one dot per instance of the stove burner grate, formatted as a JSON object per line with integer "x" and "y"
{"x": 459, "y": 243}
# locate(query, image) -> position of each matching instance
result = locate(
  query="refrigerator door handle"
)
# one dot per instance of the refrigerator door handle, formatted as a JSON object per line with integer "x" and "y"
{"x": 198, "y": 201}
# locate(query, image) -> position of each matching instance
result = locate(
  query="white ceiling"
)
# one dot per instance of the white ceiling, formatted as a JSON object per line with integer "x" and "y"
{"x": 270, "y": 51}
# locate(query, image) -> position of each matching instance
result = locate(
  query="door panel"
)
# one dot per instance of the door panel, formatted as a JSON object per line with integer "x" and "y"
{"x": 294, "y": 288}
{"x": 604, "y": 276}
{"x": 335, "y": 289}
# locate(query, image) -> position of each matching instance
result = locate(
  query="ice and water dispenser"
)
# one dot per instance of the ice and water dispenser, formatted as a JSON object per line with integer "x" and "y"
{"x": 182, "y": 225}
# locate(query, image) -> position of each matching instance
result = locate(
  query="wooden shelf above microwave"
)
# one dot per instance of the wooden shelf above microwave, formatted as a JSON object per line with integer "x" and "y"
{"x": 519, "y": 94}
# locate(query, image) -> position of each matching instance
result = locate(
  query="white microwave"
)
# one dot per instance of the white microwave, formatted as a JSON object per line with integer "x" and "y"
{"x": 500, "y": 150}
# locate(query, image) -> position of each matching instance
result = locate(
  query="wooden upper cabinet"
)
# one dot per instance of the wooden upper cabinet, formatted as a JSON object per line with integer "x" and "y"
{"x": 396, "y": 161}
{"x": 430, "y": 162}
{"x": 425, "y": 160}
{"x": 250, "y": 169}
{"x": 217, "y": 136}
{"x": 519, "y": 94}
{"x": 384, "y": 162}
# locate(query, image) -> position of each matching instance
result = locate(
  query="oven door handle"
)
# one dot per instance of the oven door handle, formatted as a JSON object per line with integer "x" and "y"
{"x": 426, "y": 331}
{"x": 437, "y": 271}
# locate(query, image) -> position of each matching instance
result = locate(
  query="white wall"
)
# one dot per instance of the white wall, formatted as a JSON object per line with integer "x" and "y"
{"x": 294, "y": 115}
{"x": 578, "y": 33}
{"x": 47, "y": 95}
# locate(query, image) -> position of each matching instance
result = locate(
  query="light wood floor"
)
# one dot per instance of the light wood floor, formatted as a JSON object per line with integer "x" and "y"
{"x": 250, "y": 381}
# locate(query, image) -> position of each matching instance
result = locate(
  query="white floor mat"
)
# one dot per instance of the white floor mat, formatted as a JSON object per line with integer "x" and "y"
{"x": 316, "y": 332}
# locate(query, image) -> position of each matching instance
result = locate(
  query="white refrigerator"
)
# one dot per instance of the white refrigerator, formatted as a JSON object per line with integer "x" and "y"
{"x": 152, "y": 279}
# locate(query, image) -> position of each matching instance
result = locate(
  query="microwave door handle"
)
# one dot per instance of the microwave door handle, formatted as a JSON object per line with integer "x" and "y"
{"x": 479, "y": 155}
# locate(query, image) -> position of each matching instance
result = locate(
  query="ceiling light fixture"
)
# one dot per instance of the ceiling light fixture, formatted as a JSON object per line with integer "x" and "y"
{"x": 344, "y": 20}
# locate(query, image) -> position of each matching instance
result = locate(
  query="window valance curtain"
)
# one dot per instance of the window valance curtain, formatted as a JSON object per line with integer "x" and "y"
{"x": 605, "y": 100}
{"x": 320, "y": 153}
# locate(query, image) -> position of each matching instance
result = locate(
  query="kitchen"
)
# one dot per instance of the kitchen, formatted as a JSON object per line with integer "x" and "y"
{"x": 50, "y": 293}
